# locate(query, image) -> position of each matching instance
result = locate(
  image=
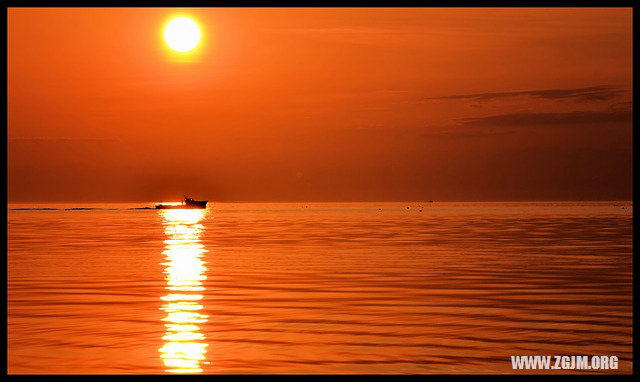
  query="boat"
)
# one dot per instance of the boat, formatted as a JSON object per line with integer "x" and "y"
{"x": 186, "y": 203}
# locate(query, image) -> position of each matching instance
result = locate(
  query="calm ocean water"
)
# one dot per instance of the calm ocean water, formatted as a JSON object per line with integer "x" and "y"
{"x": 317, "y": 287}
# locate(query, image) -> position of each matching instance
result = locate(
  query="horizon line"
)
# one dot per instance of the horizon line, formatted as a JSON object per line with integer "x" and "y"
{"x": 340, "y": 201}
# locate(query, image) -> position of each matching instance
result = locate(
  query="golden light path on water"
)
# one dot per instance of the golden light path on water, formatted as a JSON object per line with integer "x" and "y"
{"x": 184, "y": 348}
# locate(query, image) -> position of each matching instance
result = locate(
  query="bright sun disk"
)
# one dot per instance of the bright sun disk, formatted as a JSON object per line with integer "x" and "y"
{"x": 182, "y": 34}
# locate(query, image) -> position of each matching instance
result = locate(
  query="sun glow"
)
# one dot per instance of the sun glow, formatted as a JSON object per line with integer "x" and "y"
{"x": 182, "y": 34}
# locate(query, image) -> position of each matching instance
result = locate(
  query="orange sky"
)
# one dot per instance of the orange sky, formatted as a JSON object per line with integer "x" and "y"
{"x": 320, "y": 104}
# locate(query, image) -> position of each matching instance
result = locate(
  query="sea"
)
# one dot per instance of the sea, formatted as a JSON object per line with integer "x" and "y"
{"x": 315, "y": 288}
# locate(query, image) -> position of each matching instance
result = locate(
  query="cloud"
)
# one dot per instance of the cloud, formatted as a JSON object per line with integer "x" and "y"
{"x": 551, "y": 119}
{"x": 592, "y": 93}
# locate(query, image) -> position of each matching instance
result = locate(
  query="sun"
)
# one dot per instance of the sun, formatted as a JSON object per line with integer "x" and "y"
{"x": 182, "y": 34}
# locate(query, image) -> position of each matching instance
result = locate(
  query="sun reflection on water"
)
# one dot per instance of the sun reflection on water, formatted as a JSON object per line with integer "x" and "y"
{"x": 184, "y": 348}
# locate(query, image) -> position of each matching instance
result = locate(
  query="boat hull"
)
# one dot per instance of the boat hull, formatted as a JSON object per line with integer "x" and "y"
{"x": 187, "y": 203}
{"x": 180, "y": 207}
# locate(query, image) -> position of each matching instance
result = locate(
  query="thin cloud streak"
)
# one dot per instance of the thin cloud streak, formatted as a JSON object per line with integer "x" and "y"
{"x": 592, "y": 93}
{"x": 551, "y": 119}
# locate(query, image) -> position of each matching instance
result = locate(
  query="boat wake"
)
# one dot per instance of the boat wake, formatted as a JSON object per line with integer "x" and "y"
{"x": 78, "y": 209}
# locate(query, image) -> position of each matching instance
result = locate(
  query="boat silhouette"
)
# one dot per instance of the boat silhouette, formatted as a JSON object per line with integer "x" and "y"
{"x": 186, "y": 203}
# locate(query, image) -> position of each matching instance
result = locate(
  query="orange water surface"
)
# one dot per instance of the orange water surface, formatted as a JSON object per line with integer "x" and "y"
{"x": 411, "y": 287}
